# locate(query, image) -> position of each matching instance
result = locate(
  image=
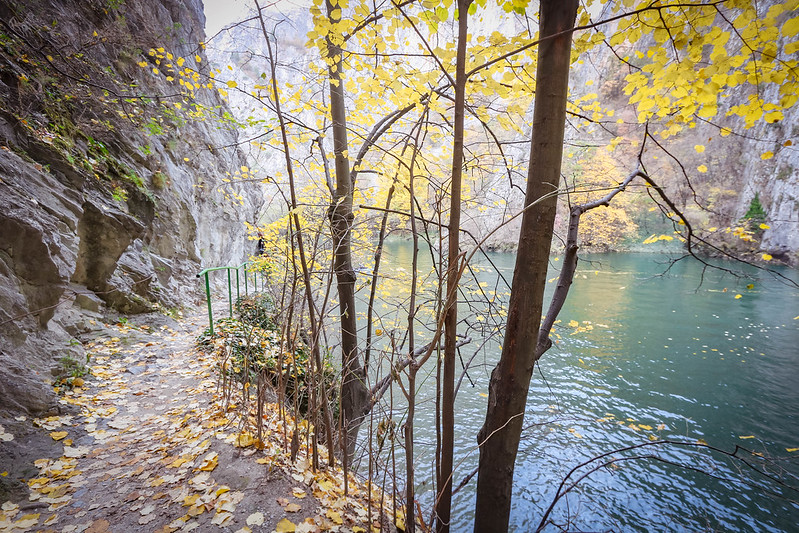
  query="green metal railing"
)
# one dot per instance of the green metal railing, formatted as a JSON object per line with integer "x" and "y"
{"x": 243, "y": 269}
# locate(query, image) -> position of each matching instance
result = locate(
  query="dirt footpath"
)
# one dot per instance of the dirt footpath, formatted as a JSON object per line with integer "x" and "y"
{"x": 149, "y": 447}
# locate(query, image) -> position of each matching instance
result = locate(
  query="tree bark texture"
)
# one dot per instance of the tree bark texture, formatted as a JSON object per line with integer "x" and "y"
{"x": 354, "y": 393}
{"x": 444, "y": 482}
{"x": 510, "y": 380}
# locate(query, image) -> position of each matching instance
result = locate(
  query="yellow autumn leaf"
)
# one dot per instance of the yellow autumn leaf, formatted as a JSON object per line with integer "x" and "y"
{"x": 178, "y": 462}
{"x": 767, "y": 155}
{"x": 210, "y": 461}
{"x": 26, "y": 522}
{"x": 292, "y": 508}
{"x": 702, "y": 168}
{"x": 335, "y": 516}
{"x": 699, "y": 148}
{"x": 221, "y": 518}
{"x": 738, "y": 296}
{"x": 791, "y": 27}
{"x": 573, "y": 323}
{"x": 58, "y": 435}
{"x": 764, "y": 226}
{"x": 245, "y": 439}
{"x": 767, "y": 257}
{"x": 255, "y": 519}
{"x": 791, "y": 450}
{"x": 232, "y": 84}
{"x": 285, "y": 526}
{"x": 746, "y": 437}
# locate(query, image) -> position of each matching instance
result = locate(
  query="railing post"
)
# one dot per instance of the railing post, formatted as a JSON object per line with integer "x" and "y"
{"x": 208, "y": 298}
{"x": 238, "y": 294}
{"x": 229, "y": 293}
{"x": 246, "y": 289}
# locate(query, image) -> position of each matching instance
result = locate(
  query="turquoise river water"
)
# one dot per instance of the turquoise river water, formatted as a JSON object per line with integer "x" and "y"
{"x": 642, "y": 356}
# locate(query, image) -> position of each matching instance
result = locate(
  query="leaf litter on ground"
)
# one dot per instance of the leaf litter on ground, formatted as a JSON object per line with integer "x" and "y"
{"x": 154, "y": 448}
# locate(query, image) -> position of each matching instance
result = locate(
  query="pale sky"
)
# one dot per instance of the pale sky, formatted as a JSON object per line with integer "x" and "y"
{"x": 220, "y": 13}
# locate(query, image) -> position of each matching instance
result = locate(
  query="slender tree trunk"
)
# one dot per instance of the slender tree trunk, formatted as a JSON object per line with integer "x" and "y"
{"x": 510, "y": 380}
{"x": 354, "y": 393}
{"x": 300, "y": 245}
{"x": 444, "y": 498}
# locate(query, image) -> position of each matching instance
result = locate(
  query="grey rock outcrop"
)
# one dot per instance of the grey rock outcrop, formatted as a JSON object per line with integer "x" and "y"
{"x": 111, "y": 195}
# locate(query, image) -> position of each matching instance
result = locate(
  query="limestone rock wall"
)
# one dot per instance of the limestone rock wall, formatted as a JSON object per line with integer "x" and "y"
{"x": 111, "y": 192}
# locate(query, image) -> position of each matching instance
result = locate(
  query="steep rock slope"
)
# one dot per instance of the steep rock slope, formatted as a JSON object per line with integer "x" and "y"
{"x": 737, "y": 163}
{"x": 111, "y": 191}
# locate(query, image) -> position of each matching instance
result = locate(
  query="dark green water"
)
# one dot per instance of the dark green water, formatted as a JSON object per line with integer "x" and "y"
{"x": 657, "y": 357}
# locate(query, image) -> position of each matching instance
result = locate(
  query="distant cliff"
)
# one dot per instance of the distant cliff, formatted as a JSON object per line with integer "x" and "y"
{"x": 739, "y": 163}
{"x": 111, "y": 191}
{"x": 714, "y": 200}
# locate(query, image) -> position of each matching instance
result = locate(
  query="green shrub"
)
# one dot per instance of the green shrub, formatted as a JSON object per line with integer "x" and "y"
{"x": 258, "y": 310}
{"x": 246, "y": 349}
{"x": 755, "y": 215}
{"x": 159, "y": 180}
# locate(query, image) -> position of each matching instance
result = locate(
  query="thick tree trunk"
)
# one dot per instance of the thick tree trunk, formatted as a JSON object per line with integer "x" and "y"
{"x": 510, "y": 380}
{"x": 444, "y": 482}
{"x": 354, "y": 393}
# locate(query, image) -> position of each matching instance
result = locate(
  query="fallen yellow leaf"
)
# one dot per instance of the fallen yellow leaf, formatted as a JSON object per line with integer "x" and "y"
{"x": 245, "y": 439}
{"x": 292, "y": 508}
{"x": 335, "y": 516}
{"x": 178, "y": 462}
{"x": 255, "y": 519}
{"x": 27, "y": 521}
{"x": 58, "y": 435}
{"x": 221, "y": 518}
{"x": 285, "y": 526}
{"x": 209, "y": 461}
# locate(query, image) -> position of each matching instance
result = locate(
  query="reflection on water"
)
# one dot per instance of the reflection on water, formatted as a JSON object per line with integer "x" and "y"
{"x": 639, "y": 357}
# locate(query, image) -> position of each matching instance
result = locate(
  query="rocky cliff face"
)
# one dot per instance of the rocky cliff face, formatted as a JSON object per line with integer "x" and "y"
{"x": 111, "y": 190}
{"x": 736, "y": 167}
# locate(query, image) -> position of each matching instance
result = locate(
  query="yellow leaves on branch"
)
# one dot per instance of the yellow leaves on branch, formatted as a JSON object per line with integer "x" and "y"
{"x": 655, "y": 238}
{"x": 700, "y": 53}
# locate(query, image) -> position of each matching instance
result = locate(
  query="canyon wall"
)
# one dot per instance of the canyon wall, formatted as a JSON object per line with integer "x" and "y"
{"x": 111, "y": 177}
